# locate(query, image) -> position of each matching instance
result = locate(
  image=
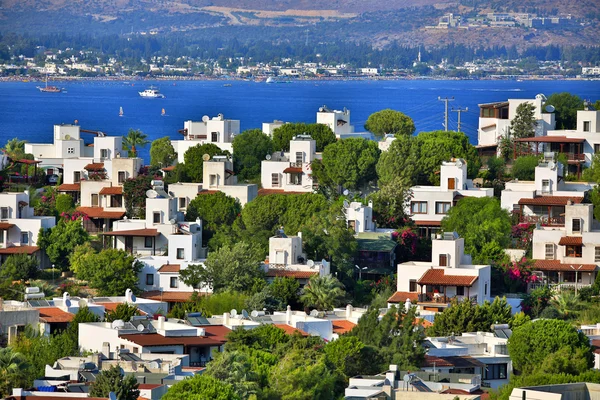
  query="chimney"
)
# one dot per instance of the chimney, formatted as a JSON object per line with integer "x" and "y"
{"x": 161, "y": 322}
{"x": 300, "y": 235}
{"x": 288, "y": 315}
{"x": 226, "y": 319}
{"x": 349, "y": 310}
{"x": 106, "y": 350}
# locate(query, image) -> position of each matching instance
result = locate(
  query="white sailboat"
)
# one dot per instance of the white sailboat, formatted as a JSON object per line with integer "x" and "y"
{"x": 120, "y": 111}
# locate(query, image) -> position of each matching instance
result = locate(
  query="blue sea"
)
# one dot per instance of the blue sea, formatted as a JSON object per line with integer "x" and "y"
{"x": 30, "y": 115}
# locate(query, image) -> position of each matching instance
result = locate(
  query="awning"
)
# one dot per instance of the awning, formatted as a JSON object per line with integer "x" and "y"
{"x": 98, "y": 212}
{"x": 437, "y": 276}
{"x": 111, "y": 190}
{"x": 292, "y": 170}
{"x": 134, "y": 233}
{"x": 571, "y": 241}
{"x": 94, "y": 167}
{"x": 556, "y": 265}
{"x": 69, "y": 187}
{"x": 550, "y": 139}
{"x": 5, "y": 225}
{"x": 550, "y": 201}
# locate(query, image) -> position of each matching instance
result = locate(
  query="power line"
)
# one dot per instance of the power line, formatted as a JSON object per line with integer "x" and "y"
{"x": 458, "y": 111}
{"x": 446, "y": 100}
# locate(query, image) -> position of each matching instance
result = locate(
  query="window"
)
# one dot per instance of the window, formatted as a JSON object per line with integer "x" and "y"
{"x": 495, "y": 371}
{"x": 24, "y": 237}
{"x": 586, "y": 126}
{"x": 275, "y": 180}
{"x": 182, "y": 202}
{"x": 487, "y": 113}
{"x": 1, "y": 236}
{"x": 442, "y": 207}
{"x": 148, "y": 242}
{"x": 576, "y": 225}
{"x": 596, "y": 147}
{"x": 460, "y": 290}
{"x": 295, "y": 179}
{"x": 214, "y": 136}
{"x": 173, "y": 283}
{"x": 597, "y": 254}
{"x": 549, "y": 251}
{"x": 70, "y": 150}
{"x": 180, "y": 254}
{"x": 150, "y": 279}
{"x": 573, "y": 251}
{"x": 485, "y": 289}
{"x": 299, "y": 157}
{"x": 418, "y": 207}
{"x": 4, "y": 213}
{"x": 412, "y": 285}
{"x": 122, "y": 176}
{"x": 95, "y": 202}
{"x": 76, "y": 176}
{"x": 103, "y": 153}
{"x": 156, "y": 217}
{"x": 116, "y": 200}
{"x": 443, "y": 260}
{"x": 545, "y": 185}
{"x": 212, "y": 180}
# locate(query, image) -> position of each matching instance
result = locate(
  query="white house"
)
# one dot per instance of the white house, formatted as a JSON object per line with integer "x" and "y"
{"x": 568, "y": 255}
{"x": 19, "y": 227}
{"x": 291, "y": 171}
{"x": 430, "y": 204}
{"x": 359, "y": 217}
{"x": 449, "y": 275}
{"x": 337, "y": 121}
{"x": 217, "y": 130}
{"x": 544, "y": 199}
{"x": 269, "y": 127}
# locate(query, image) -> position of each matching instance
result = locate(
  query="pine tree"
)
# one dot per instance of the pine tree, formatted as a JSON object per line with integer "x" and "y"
{"x": 523, "y": 124}
{"x": 111, "y": 380}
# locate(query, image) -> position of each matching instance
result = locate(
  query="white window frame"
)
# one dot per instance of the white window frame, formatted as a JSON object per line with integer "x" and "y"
{"x": 549, "y": 253}
{"x": 76, "y": 176}
{"x": 546, "y": 186}
{"x": 119, "y": 176}
{"x": 182, "y": 256}
{"x": 275, "y": 180}
{"x": 103, "y": 153}
{"x": 573, "y": 224}
{"x": 597, "y": 254}
{"x": 70, "y": 150}
{"x": 26, "y": 236}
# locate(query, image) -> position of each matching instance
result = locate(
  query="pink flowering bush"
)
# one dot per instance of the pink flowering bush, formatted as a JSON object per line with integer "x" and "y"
{"x": 407, "y": 239}
{"x": 517, "y": 274}
{"x": 522, "y": 235}
{"x": 74, "y": 216}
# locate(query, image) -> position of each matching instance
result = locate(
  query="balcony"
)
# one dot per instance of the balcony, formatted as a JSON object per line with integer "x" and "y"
{"x": 558, "y": 287}
{"x": 543, "y": 220}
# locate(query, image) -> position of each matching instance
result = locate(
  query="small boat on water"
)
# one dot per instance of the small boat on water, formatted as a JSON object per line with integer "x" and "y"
{"x": 271, "y": 80}
{"x": 120, "y": 111}
{"x": 163, "y": 112}
{"x": 227, "y": 85}
{"x": 49, "y": 89}
{"x": 152, "y": 93}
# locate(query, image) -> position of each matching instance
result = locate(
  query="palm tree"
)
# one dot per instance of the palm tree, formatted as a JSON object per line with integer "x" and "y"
{"x": 323, "y": 292}
{"x": 12, "y": 369}
{"x": 15, "y": 149}
{"x": 566, "y": 304}
{"x": 135, "y": 138}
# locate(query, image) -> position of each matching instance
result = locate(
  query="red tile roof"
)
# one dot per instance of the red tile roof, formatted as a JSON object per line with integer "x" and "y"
{"x": 149, "y": 386}
{"x": 292, "y": 170}
{"x": 206, "y": 191}
{"x": 556, "y": 265}
{"x": 55, "y": 315}
{"x": 291, "y": 274}
{"x": 155, "y": 339}
{"x": 341, "y": 326}
{"x": 94, "y": 167}
{"x": 266, "y": 192}
{"x": 439, "y": 362}
{"x": 423, "y": 322}
{"x": 550, "y": 200}
{"x": 28, "y": 162}
{"x": 134, "y": 232}
{"x": 428, "y": 223}
{"x": 70, "y": 187}
{"x": 169, "y": 268}
{"x": 550, "y": 139}
{"x": 98, "y": 212}
{"x": 437, "y": 276}
{"x": 19, "y": 249}
{"x": 400, "y": 297}
{"x": 171, "y": 297}
{"x": 111, "y": 190}
{"x": 5, "y": 225}
{"x": 571, "y": 241}
{"x": 290, "y": 330}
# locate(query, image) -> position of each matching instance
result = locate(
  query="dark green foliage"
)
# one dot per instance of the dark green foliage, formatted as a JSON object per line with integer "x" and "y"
{"x": 566, "y": 106}
{"x": 351, "y": 162}
{"x": 319, "y": 132}
{"x": 390, "y": 122}
{"x": 533, "y": 342}
{"x": 249, "y": 150}
{"x": 19, "y": 267}
{"x": 83, "y": 315}
{"x": 523, "y": 123}
{"x": 60, "y": 241}
{"x": 536, "y": 301}
{"x": 524, "y": 168}
{"x": 265, "y": 337}
{"x": 541, "y": 378}
{"x": 194, "y": 162}
{"x": 323, "y": 292}
{"x": 201, "y": 387}
{"x": 64, "y": 203}
{"x": 111, "y": 380}
{"x": 215, "y": 304}
{"x": 399, "y": 161}
{"x": 480, "y": 221}
{"x": 352, "y": 357}
{"x": 215, "y": 210}
{"x": 134, "y": 140}
{"x": 285, "y": 291}
{"x": 12, "y": 369}
{"x": 162, "y": 153}
{"x": 123, "y": 311}
{"x": 465, "y": 316}
{"x": 134, "y": 194}
{"x": 194, "y": 275}
{"x": 233, "y": 268}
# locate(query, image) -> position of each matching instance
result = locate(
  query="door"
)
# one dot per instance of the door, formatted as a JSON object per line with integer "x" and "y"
{"x": 129, "y": 244}
{"x": 451, "y": 184}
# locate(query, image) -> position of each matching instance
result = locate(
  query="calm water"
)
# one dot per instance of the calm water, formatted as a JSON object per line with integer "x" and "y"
{"x": 29, "y": 114}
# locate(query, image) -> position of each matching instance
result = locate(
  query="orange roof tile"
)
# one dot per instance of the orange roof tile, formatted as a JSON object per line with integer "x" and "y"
{"x": 290, "y": 330}
{"x": 134, "y": 232}
{"x": 19, "y": 249}
{"x": 169, "y": 169}
{"x": 550, "y": 201}
{"x": 571, "y": 241}
{"x": 171, "y": 297}
{"x": 292, "y": 170}
{"x": 400, "y": 297}
{"x": 341, "y": 326}
{"x": 556, "y": 265}
{"x": 437, "y": 276}
{"x": 428, "y": 223}
{"x": 549, "y": 139}
{"x": 430, "y": 361}
{"x": 98, "y": 212}
{"x": 111, "y": 190}
{"x": 5, "y": 225}
{"x": 55, "y": 315}
{"x": 149, "y": 386}
{"x": 170, "y": 268}
{"x": 423, "y": 322}
{"x": 291, "y": 274}
{"x": 70, "y": 187}
{"x": 94, "y": 167}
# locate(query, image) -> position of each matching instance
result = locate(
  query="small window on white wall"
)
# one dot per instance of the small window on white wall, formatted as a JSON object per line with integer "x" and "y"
{"x": 549, "y": 251}
{"x": 70, "y": 150}
{"x": 24, "y": 237}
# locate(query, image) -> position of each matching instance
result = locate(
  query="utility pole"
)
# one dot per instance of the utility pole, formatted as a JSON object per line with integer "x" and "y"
{"x": 446, "y": 100}
{"x": 460, "y": 110}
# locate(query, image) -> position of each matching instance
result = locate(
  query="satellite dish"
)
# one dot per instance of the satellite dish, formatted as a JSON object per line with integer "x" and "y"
{"x": 82, "y": 303}
{"x": 552, "y": 165}
{"x": 314, "y": 313}
{"x": 133, "y": 298}
{"x": 67, "y": 137}
{"x": 151, "y": 194}
{"x": 68, "y": 303}
{"x": 172, "y": 221}
{"x": 118, "y": 323}
{"x": 310, "y": 263}
{"x": 206, "y": 157}
{"x": 205, "y": 118}
{"x": 140, "y": 328}
{"x": 245, "y": 314}
{"x": 346, "y": 192}
{"x": 233, "y": 313}
{"x": 459, "y": 164}
{"x": 550, "y": 108}
{"x": 254, "y": 314}
{"x": 112, "y": 396}
{"x": 346, "y": 204}
{"x": 268, "y": 157}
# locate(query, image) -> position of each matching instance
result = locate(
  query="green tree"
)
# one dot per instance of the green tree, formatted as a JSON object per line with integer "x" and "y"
{"x": 201, "y": 387}
{"x": 566, "y": 106}
{"x": 390, "y": 122}
{"x": 134, "y": 193}
{"x": 64, "y": 203}
{"x": 60, "y": 241}
{"x": 524, "y": 168}
{"x": 135, "y": 139}
{"x": 321, "y": 133}
{"x": 215, "y": 210}
{"x": 285, "y": 291}
{"x": 235, "y": 369}
{"x": 523, "y": 123}
{"x": 323, "y": 292}
{"x": 564, "y": 361}
{"x": 194, "y": 275}
{"x": 19, "y": 267}
{"x": 566, "y": 303}
{"x": 352, "y": 357}
{"x": 111, "y": 380}
{"x": 233, "y": 268}
{"x": 15, "y": 149}
{"x": 111, "y": 272}
{"x": 83, "y": 315}
{"x": 12, "y": 370}
{"x": 351, "y": 162}
{"x": 592, "y": 173}
{"x": 399, "y": 161}
{"x": 532, "y": 342}
{"x": 479, "y": 221}
{"x": 391, "y": 202}
{"x": 162, "y": 152}
{"x": 194, "y": 159}
{"x": 249, "y": 150}
{"x": 123, "y": 311}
